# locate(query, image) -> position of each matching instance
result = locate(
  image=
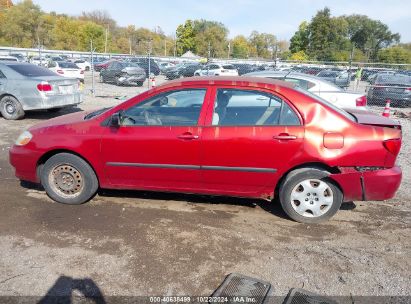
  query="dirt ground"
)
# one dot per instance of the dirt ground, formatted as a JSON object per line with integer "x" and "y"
{"x": 141, "y": 243}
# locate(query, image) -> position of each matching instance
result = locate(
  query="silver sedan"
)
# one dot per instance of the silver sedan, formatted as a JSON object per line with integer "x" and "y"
{"x": 25, "y": 87}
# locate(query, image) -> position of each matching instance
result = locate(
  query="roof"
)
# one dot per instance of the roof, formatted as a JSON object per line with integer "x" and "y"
{"x": 229, "y": 81}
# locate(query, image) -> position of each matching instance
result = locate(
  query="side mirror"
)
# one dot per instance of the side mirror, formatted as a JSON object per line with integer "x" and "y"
{"x": 115, "y": 120}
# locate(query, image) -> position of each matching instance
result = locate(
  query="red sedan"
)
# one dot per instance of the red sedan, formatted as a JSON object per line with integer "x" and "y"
{"x": 237, "y": 136}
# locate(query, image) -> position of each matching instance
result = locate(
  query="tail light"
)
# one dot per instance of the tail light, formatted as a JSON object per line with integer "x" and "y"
{"x": 81, "y": 72}
{"x": 361, "y": 101}
{"x": 44, "y": 87}
{"x": 392, "y": 145}
{"x": 60, "y": 71}
{"x": 407, "y": 89}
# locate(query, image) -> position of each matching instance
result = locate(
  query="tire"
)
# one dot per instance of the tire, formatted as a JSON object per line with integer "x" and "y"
{"x": 309, "y": 196}
{"x": 87, "y": 68}
{"x": 11, "y": 108}
{"x": 68, "y": 179}
{"x": 140, "y": 83}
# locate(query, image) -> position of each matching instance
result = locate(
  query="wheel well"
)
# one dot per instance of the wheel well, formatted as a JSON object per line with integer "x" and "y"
{"x": 51, "y": 153}
{"x": 7, "y": 94}
{"x": 312, "y": 165}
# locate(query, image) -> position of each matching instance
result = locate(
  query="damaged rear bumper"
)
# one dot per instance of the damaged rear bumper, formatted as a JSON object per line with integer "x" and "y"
{"x": 368, "y": 184}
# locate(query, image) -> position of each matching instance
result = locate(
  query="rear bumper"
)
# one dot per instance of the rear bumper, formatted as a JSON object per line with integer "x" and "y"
{"x": 52, "y": 101}
{"x": 376, "y": 185}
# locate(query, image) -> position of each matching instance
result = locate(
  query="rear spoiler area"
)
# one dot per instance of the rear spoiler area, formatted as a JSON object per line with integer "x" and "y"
{"x": 369, "y": 118}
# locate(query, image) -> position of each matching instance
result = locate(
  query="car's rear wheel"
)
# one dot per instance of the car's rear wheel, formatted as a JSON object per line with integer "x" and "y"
{"x": 140, "y": 83}
{"x": 11, "y": 108}
{"x": 309, "y": 196}
{"x": 68, "y": 179}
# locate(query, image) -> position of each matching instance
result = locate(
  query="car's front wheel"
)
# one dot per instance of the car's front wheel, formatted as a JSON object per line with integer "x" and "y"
{"x": 11, "y": 108}
{"x": 68, "y": 179}
{"x": 309, "y": 196}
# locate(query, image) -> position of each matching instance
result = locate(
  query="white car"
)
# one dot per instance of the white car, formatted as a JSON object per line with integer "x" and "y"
{"x": 8, "y": 58}
{"x": 83, "y": 64}
{"x": 216, "y": 69}
{"x": 66, "y": 69}
{"x": 319, "y": 87}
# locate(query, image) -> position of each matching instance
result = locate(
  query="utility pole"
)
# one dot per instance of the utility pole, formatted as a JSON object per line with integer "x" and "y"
{"x": 129, "y": 43}
{"x": 165, "y": 46}
{"x": 229, "y": 49}
{"x": 149, "y": 63}
{"x": 93, "y": 92}
{"x": 275, "y": 55}
{"x": 175, "y": 46}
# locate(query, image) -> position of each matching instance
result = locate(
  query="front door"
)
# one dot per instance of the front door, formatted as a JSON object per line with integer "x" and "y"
{"x": 157, "y": 145}
{"x": 253, "y": 137}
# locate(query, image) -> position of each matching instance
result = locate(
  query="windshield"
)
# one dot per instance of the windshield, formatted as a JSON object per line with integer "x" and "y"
{"x": 31, "y": 70}
{"x": 328, "y": 104}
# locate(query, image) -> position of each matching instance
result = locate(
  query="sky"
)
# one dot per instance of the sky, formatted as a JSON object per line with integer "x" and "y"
{"x": 280, "y": 18}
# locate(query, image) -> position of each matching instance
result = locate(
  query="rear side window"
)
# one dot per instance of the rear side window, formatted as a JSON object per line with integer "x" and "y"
{"x": 68, "y": 65}
{"x": 31, "y": 70}
{"x": 229, "y": 67}
{"x": 2, "y": 75}
{"x": 235, "y": 107}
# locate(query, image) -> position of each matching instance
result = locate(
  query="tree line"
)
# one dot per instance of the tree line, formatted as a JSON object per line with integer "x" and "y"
{"x": 323, "y": 38}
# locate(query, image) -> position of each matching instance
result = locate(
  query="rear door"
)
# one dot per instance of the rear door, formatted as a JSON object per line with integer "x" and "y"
{"x": 251, "y": 137}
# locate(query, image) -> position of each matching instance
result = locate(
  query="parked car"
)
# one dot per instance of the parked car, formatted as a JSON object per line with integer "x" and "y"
{"x": 339, "y": 78}
{"x": 237, "y": 136}
{"x": 396, "y": 88}
{"x": 20, "y": 57}
{"x": 83, "y": 64}
{"x": 164, "y": 65}
{"x": 143, "y": 62}
{"x": 244, "y": 68}
{"x": 102, "y": 65}
{"x": 216, "y": 69}
{"x": 189, "y": 69}
{"x": 40, "y": 61}
{"x": 66, "y": 69}
{"x": 25, "y": 87}
{"x": 320, "y": 87}
{"x": 8, "y": 58}
{"x": 123, "y": 73}
{"x": 173, "y": 72}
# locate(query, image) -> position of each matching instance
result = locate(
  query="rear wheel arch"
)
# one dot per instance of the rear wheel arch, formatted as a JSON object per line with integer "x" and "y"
{"x": 306, "y": 166}
{"x": 42, "y": 160}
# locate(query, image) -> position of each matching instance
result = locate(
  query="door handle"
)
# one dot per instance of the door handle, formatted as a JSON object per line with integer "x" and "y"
{"x": 285, "y": 136}
{"x": 188, "y": 136}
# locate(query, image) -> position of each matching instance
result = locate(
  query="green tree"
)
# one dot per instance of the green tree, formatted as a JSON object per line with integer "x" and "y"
{"x": 263, "y": 44}
{"x": 396, "y": 54}
{"x": 185, "y": 38}
{"x": 299, "y": 56}
{"x": 299, "y": 42}
{"x": 240, "y": 47}
{"x": 210, "y": 38}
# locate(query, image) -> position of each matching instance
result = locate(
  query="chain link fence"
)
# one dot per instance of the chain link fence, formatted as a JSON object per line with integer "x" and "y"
{"x": 122, "y": 76}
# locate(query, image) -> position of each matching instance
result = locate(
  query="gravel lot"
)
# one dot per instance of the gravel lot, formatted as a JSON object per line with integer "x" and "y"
{"x": 140, "y": 243}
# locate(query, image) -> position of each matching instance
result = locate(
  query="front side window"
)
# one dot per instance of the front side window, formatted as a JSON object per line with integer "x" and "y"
{"x": 235, "y": 107}
{"x": 175, "y": 108}
{"x": 2, "y": 75}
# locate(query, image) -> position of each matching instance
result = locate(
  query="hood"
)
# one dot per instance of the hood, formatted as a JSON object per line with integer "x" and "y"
{"x": 369, "y": 118}
{"x": 61, "y": 120}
